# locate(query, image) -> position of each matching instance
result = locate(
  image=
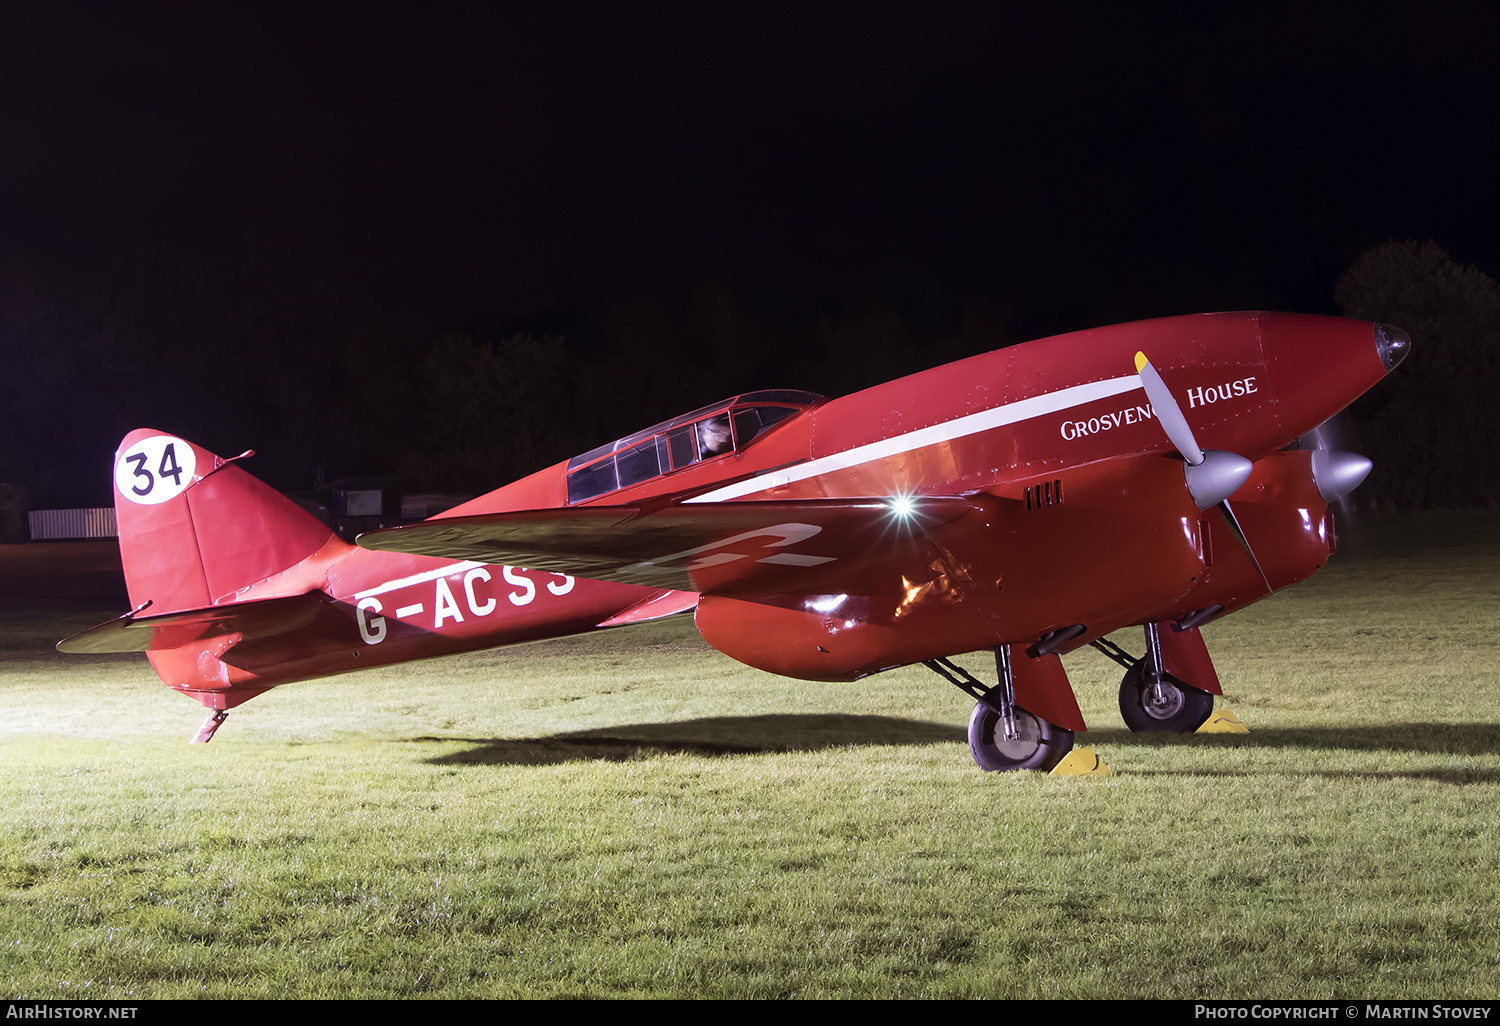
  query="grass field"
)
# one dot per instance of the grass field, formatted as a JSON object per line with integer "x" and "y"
{"x": 632, "y": 814}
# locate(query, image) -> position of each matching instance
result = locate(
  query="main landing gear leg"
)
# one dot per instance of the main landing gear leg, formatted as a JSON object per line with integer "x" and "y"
{"x": 1151, "y": 699}
{"x": 1002, "y": 735}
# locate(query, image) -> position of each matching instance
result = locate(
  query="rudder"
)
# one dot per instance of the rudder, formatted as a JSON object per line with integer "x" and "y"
{"x": 196, "y": 530}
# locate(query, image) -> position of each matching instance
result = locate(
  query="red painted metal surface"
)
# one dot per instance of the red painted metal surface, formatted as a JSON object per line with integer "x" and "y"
{"x": 1185, "y": 656}
{"x": 1045, "y": 498}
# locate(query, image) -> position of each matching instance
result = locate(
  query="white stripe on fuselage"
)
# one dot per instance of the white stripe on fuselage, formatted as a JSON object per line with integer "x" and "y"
{"x": 971, "y": 424}
{"x": 431, "y": 575}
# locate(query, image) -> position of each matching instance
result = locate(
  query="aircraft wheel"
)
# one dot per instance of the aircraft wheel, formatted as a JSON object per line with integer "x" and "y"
{"x": 1182, "y": 710}
{"x": 1040, "y": 746}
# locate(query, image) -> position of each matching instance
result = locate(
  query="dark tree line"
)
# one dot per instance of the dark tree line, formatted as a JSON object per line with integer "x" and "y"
{"x": 240, "y": 351}
{"x": 491, "y": 409}
{"x": 1431, "y": 427}
{"x": 244, "y": 351}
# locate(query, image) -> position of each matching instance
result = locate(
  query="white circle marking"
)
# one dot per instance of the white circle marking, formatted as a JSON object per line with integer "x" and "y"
{"x": 155, "y": 469}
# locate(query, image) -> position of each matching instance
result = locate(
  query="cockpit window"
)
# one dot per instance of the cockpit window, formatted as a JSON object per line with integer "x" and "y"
{"x": 640, "y": 463}
{"x": 752, "y": 421}
{"x": 595, "y": 479}
{"x": 683, "y": 443}
{"x": 704, "y": 434}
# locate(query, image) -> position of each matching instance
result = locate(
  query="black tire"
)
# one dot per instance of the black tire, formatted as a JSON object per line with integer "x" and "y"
{"x": 1041, "y": 745}
{"x": 1183, "y": 712}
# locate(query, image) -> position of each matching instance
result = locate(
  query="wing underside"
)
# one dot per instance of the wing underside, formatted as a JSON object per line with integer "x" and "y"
{"x": 698, "y": 547}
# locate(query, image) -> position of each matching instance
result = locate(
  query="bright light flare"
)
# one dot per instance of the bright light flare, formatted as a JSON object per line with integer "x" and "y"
{"x": 824, "y": 603}
{"x": 902, "y": 507}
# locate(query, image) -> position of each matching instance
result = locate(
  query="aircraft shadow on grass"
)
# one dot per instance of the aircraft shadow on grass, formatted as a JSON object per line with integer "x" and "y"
{"x": 1426, "y": 738}
{"x": 1423, "y": 739}
{"x": 751, "y": 735}
{"x": 711, "y": 736}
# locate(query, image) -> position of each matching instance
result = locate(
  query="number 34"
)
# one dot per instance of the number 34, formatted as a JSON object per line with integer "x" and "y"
{"x": 155, "y": 469}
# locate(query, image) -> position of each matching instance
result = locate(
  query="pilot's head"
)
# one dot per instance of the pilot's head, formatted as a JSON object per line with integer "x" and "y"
{"x": 713, "y": 434}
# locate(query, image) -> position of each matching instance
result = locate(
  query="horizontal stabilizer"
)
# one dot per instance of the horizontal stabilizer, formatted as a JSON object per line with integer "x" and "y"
{"x": 171, "y": 630}
{"x": 709, "y": 546}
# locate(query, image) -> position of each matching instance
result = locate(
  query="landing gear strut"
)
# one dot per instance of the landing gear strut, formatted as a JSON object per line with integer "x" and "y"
{"x": 1002, "y": 735}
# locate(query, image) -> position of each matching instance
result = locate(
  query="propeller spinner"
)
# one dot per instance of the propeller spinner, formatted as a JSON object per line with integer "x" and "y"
{"x": 1335, "y": 471}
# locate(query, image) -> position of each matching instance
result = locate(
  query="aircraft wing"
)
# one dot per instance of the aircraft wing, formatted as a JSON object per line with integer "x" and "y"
{"x": 696, "y": 547}
{"x": 150, "y": 633}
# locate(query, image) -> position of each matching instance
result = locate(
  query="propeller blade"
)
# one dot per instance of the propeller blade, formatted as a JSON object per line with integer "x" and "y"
{"x": 1212, "y": 477}
{"x": 1168, "y": 413}
{"x": 1239, "y": 535}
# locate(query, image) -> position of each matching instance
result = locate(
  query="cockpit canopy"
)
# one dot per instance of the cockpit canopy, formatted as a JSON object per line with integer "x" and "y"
{"x": 706, "y": 434}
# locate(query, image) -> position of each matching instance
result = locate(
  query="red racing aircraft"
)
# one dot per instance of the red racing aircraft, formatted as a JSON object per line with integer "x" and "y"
{"x": 1029, "y": 500}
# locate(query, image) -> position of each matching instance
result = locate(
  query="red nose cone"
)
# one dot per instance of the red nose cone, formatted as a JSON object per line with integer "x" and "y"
{"x": 1322, "y": 364}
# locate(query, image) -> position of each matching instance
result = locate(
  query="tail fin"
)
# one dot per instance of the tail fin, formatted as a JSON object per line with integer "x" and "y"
{"x": 197, "y": 531}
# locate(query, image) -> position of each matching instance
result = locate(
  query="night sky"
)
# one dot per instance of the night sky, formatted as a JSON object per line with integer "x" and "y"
{"x": 1032, "y": 170}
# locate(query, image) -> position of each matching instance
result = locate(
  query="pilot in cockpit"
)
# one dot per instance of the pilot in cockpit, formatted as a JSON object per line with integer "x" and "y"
{"x": 714, "y": 437}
